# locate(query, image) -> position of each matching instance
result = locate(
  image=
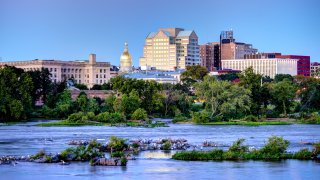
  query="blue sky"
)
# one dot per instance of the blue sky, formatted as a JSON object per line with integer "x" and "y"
{"x": 72, "y": 29}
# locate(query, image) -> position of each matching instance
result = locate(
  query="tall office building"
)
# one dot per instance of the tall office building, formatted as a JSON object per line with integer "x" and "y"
{"x": 230, "y": 49}
{"x": 210, "y": 56}
{"x": 169, "y": 49}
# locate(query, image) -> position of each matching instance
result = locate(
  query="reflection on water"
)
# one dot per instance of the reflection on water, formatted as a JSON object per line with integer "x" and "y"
{"x": 24, "y": 139}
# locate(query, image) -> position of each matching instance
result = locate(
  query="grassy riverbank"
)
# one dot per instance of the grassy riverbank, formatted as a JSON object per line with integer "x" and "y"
{"x": 274, "y": 149}
{"x": 94, "y": 123}
{"x": 248, "y": 123}
{"x": 67, "y": 123}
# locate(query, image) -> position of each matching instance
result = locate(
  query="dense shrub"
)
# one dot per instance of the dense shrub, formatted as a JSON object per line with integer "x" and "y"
{"x": 139, "y": 114}
{"x": 77, "y": 118}
{"x": 115, "y": 117}
{"x": 103, "y": 117}
{"x": 200, "y": 117}
{"x": 117, "y": 154}
{"x": 275, "y": 146}
{"x": 166, "y": 145}
{"x": 238, "y": 146}
{"x": 251, "y": 118}
{"x": 117, "y": 144}
{"x": 302, "y": 154}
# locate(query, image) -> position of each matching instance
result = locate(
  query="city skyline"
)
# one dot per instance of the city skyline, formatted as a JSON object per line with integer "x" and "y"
{"x": 69, "y": 30}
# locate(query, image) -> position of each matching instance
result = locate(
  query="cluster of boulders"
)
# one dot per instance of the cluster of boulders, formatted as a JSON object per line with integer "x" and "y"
{"x": 212, "y": 144}
{"x": 78, "y": 142}
{"x": 160, "y": 144}
{"x": 8, "y": 160}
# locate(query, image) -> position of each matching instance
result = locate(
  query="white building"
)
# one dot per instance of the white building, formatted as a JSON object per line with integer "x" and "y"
{"x": 172, "y": 77}
{"x": 266, "y": 67}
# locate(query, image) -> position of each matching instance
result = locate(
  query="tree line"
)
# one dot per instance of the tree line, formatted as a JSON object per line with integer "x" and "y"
{"x": 232, "y": 96}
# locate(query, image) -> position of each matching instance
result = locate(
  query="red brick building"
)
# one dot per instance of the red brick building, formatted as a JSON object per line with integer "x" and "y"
{"x": 303, "y": 63}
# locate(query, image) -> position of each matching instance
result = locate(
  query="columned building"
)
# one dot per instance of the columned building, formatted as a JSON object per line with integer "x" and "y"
{"x": 88, "y": 72}
{"x": 169, "y": 49}
{"x": 266, "y": 67}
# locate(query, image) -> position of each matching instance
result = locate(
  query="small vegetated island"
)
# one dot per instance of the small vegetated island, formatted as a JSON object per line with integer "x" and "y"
{"x": 245, "y": 98}
{"x": 274, "y": 149}
{"x": 118, "y": 151}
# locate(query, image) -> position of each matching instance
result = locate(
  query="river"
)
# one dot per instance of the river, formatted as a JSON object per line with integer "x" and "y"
{"x": 26, "y": 139}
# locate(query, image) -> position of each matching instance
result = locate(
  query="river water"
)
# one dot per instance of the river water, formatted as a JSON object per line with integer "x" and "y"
{"x": 26, "y": 139}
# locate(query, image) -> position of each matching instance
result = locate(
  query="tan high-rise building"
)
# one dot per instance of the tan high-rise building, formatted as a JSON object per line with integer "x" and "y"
{"x": 170, "y": 48}
{"x": 88, "y": 72}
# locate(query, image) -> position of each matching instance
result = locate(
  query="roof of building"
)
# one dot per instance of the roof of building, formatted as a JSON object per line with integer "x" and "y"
{"x": 167, "y": 33}
{"x": 184, "y": 33}
{"x": 152, "y": 74}
{"x": 151, "y": 35}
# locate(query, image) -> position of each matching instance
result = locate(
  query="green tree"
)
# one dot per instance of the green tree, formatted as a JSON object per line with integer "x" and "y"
{"x": 281, "y": 77}
{"x": 283, "y": 93}
{"x": 96, "y": 87}
{"x": 223, "y": 98}
{"x": 259, "y": 93}
{"x": 82, "y": 102}
{"x": 15, "y": 92}
{"x": 42, "y": 84}
{"x": 195, "y": 73}
{"x": 229, "y": 76}
{"x": 139, "y": 114}
{"x": 127, "y": 104}
{"x": 81, "y": 86}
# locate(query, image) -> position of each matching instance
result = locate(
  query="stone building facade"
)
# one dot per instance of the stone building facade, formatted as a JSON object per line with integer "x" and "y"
{"x": 88, "y": 72}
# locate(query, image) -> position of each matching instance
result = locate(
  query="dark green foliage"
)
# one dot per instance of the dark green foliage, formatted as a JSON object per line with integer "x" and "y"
{"x": 238, "y": 147}
{"x": 96, "y": 87}
{"x": 200, "y": 117}
{"x": 127, "y": 104}
{"x": 81, "y": 86}
{"x": 117, "y": 144}
{"x": 228, "y": 77}
{"x": 42, "y": 84}
{"x": 166, "y": 145}
{"x": 302, "y": 154}
{"x": 82, "y": 153}
{"x": 117, "y": 154}
{"x": 139, "y": 114}
{"x": 123, "y": 161}
{"x": 15, "y": 92}
{"x": 275, "y": 147}
{"x": 273, "y": 150}
{"x": 41, "y": 153}
{"x": 281, "y": 77}
{"x": 251, "y": 118}
{"x": 283, "y": 93}
{"x": 195, "y": 73}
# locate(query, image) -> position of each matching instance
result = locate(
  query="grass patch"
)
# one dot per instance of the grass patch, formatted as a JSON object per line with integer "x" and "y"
{"x": 68, "y": 123}
{"x": 248, "y": 123}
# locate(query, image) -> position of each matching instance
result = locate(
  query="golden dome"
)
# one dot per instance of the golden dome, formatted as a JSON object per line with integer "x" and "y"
{"x": 125, "y": 60}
